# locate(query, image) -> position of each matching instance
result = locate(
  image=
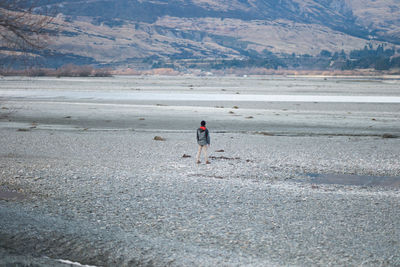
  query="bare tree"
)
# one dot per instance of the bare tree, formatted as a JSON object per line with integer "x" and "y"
{"x": 24, "y": 25}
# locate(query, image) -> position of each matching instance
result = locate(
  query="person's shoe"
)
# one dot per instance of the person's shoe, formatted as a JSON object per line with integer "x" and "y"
{"x": 207, "y": 162}
{"x": 198, "y": 162}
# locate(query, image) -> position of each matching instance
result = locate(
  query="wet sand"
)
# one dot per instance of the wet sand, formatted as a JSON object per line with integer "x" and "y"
{"x": 99, "y": 190}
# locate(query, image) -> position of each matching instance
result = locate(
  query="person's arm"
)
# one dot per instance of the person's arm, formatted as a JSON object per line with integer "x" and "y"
{"x": 197, "y": 135}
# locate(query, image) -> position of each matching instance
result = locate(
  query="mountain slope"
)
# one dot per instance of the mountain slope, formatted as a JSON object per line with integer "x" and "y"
{"x": 381, "y": 18}
{"x": 125, "y": 32}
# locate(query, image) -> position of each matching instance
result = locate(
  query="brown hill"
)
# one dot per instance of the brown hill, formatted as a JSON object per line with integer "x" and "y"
{"x": 139, "y": 33}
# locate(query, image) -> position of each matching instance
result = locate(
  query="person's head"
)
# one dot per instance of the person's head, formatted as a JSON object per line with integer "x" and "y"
{"x": 203, "y": 123}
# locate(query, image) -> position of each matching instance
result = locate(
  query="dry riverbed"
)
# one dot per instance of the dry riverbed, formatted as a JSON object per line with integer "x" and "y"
{"x": 83, "y": 179}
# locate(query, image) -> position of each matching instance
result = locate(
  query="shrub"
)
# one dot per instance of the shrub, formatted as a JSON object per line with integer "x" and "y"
{"x": 71, "y": 70}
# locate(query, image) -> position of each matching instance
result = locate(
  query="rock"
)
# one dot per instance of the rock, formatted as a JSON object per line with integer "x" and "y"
{"x": 265, "y": 133}
{"x": 221, "y": 150}
{"x": 186, "y": 156}
{"x": 386, "y": 135}
{"x": 159, "y": 138}
{"x": 23, "y": 130}
{"x": 222, "y": 157}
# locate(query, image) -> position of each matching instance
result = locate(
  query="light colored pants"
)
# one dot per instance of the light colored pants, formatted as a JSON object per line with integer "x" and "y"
{"x": 199, "y": 152}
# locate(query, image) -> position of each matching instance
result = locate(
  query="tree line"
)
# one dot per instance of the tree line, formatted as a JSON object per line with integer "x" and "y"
{"x": 379, "y": 58}
{"x": 369, "y": 57}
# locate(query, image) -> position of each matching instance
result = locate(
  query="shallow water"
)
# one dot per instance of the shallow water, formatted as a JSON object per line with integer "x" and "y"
{"x": 359, "y": 180}
{"x": 8, "y": 195}
{"x": 176, "y": 96}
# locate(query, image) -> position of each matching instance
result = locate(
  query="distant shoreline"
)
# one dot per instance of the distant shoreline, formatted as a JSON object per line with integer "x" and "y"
{"x": 262, "y": 71}
{"x": 239, "y": 72}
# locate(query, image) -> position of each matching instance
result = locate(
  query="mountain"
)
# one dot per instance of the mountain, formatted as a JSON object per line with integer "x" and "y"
{"x": 140, "y": 33}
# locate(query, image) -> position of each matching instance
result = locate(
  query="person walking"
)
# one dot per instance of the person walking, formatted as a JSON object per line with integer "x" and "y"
{"x": 203, "y": 139}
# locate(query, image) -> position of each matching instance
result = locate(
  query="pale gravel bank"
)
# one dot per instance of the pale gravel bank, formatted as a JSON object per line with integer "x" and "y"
{"x": 121, "y": 198}
{"x": 94, "y": 187}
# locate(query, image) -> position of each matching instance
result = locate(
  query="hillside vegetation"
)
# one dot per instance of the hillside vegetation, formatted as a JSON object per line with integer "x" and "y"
{"x": 201, "y": 33}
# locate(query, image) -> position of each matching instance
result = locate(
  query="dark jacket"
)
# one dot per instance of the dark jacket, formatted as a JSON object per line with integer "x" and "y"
{"x": 203, "y": 136}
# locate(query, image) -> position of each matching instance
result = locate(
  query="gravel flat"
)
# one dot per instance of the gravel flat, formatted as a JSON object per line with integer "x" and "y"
{"x": 84, "y": 180}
